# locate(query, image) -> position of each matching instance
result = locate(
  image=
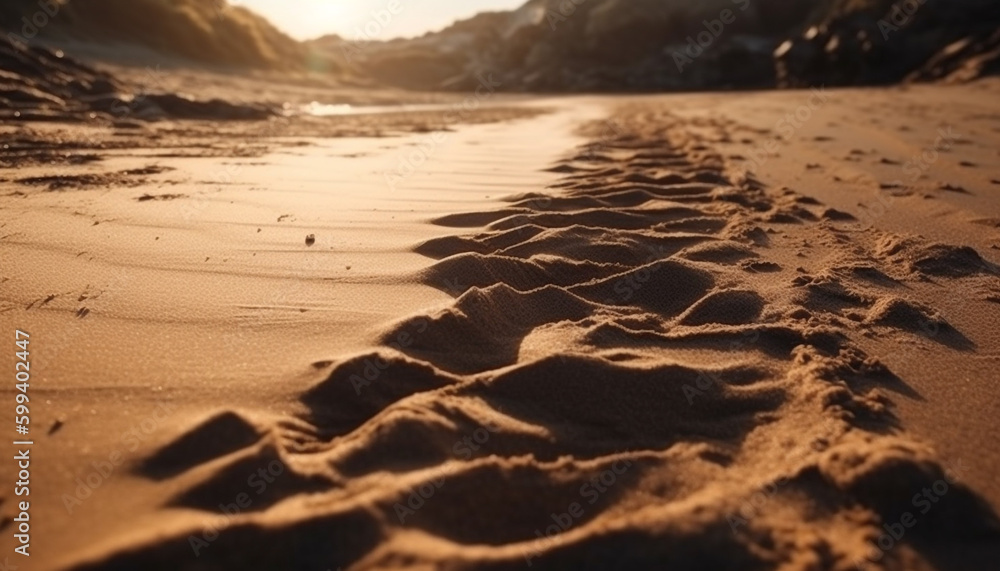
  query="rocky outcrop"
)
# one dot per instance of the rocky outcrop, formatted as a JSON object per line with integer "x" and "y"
{"x": 592, "y": 45}
{"x": 638, "y": 45}
{"x": 560, "y": 45}
{"x": 38, "y": 83}
{"x": 967, "y": 59}
{"x": 882, "y": 42}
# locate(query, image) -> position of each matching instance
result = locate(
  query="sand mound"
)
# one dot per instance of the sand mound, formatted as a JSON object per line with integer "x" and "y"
{"x": 360, "y": 388}
{"x": 478, "y": 270}
{"x": 940, "y": 260}
{"x": 852, "y": 42}
{"x": 666, "y": 288}
{"x": 730, "y": 307}
{"x": 901, "y": 314}
{"x": 608, "y": 391}
{"x": 215, "y": 437}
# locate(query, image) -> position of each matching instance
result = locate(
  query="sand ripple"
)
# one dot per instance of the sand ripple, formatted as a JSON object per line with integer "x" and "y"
{"x": 632, "y": 376}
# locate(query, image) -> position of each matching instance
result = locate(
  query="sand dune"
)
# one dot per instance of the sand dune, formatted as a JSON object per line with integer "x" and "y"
{"x": 641, "y": 368}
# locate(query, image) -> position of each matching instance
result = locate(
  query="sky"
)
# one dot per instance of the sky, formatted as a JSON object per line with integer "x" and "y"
{"x": 354, "y": 19}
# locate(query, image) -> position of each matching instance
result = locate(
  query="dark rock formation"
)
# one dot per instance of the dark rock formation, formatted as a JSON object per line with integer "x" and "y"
{"x": 546, "y": 45}
{"x": 592, "y": 45}
{"x": 38, "y": 83}
{"x": 638, "y": 45}
{"x": 882, "y": 42}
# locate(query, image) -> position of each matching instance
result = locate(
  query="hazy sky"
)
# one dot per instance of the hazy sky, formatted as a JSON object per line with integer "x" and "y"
{"x": 305, "y": 19}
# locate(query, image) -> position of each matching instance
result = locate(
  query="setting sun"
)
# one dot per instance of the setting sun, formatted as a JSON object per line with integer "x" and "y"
{"x": 305, "y": 19}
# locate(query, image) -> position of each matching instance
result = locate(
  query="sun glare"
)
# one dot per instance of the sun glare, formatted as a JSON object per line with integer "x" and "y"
{"x": 307, "y": 19}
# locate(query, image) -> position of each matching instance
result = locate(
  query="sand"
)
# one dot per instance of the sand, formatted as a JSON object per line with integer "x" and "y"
{"x": 601, "y": 333}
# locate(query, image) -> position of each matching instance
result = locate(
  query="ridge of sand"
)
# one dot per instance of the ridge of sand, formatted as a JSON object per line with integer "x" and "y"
{"x": 637, "y": 372}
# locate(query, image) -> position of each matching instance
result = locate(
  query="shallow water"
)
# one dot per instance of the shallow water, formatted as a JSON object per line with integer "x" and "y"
{"x": 318, "y": 109}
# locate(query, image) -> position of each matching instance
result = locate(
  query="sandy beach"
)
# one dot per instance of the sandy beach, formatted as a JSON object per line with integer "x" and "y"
{"x": 707, "y": 331}
{"x": 499, "y": 285}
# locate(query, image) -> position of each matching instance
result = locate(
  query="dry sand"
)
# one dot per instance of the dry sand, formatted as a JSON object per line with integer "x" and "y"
{"x": 591, "y": 338}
